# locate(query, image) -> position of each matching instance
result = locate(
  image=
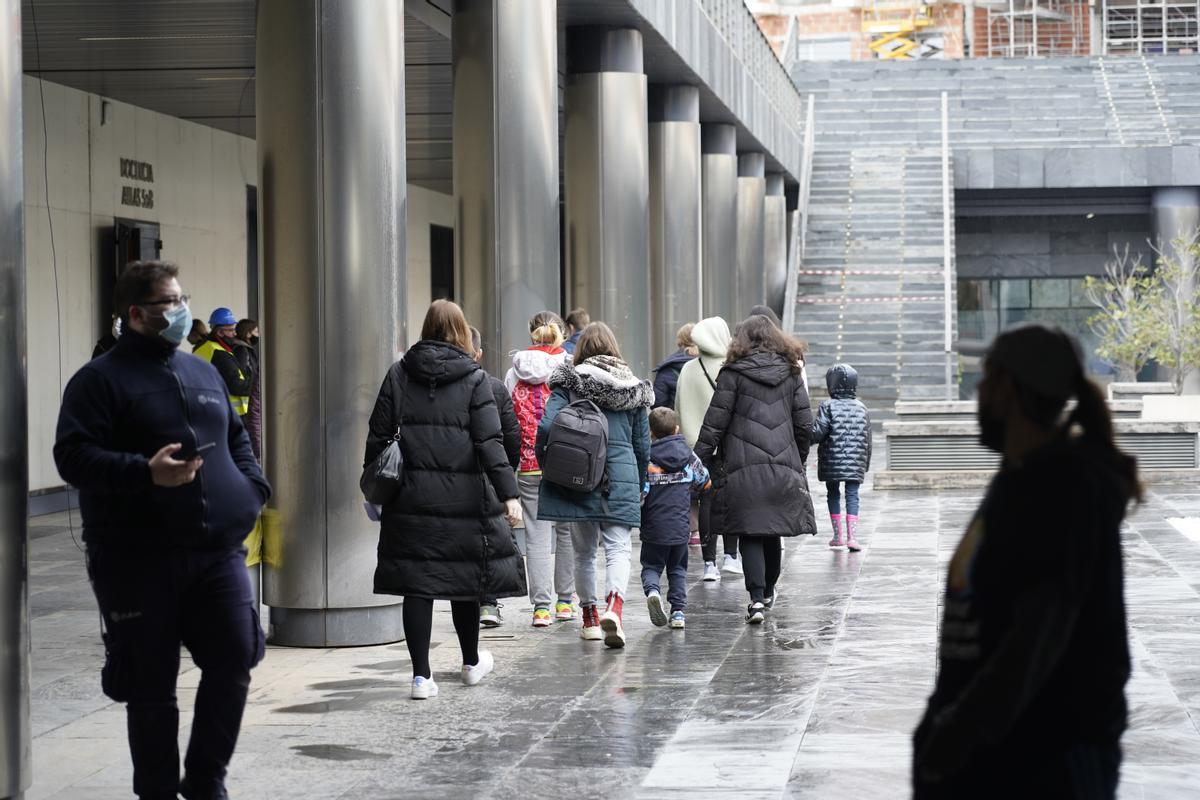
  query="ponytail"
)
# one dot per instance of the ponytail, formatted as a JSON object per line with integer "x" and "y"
{"x": 1091, "y": 414}
{"x": 547, "y": 328}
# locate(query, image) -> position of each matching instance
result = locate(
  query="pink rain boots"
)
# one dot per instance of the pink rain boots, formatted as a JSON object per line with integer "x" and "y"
{"x": 836, "y": 542}
{"x": 851, "y": 528}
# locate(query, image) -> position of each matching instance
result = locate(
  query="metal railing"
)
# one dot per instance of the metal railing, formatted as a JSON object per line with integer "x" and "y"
{"x": 797, "y": 246}
{"x": 738, "y": 27}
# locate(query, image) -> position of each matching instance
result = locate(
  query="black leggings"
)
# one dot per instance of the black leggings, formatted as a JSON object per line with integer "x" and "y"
{"x": 761, "y": 559}
{"x": 708, "y": 537}
{"x": 418, "y": 625}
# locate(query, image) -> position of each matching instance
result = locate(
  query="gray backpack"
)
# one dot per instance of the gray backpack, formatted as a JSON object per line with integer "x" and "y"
{"x": 577, "y": 447}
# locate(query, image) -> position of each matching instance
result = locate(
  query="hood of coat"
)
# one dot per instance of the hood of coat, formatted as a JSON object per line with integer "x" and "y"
{"x": 769, "y": 369}
{"x": 671, "y": 453}
{"x": 712, "y": 337}
{"x": 606, "y": 381}
{"x": 535, "y": 365}
{"x": 676, "y": 359}
{"x": 842, "y": 382}
{"x": 434, "y": 363}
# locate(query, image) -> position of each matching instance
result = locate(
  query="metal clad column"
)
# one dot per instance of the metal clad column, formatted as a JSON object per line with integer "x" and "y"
{"x": 15, "y": 753}
{"x": 1176, "y": 214}
{"x": 719, "y": 171}
{"x": 607, "y": 185}
{"x": 675, "y": 272}
{"x": 332, "y": 191}
{"x": 506, "y": 167}
{"x": 775, "y": 242}
{"x": 751, "y": 191}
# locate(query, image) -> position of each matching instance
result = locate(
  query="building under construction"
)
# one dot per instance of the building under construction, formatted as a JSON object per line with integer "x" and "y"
{"x": 908, "y": 29}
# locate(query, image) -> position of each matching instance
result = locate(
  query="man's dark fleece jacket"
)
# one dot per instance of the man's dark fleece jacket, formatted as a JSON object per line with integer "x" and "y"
{"x": 122, "y": 408}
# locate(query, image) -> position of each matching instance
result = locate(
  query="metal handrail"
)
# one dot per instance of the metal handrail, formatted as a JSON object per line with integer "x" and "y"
{"x": 738, "y": 27}
{"x": 797, "y": 247}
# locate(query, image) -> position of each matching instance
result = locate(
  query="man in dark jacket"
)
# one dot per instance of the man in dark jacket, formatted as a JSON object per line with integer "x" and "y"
{"x": 674, "y": 475}
{"x": 148, "y": 437}
{"x": 843, "y": 430}
{"x": 666, "y": 374}
{"x": 218, "y": 351}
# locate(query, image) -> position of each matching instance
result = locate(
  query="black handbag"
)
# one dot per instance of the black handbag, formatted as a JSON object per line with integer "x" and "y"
{"x": 381, "y": 478}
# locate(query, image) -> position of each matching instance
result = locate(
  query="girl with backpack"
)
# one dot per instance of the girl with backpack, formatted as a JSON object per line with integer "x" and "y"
{"x": 603, "y": 503}
{"x": 754, "y": 441}
{"x": 446, "y": 534}
{"x": 544, "y": 541}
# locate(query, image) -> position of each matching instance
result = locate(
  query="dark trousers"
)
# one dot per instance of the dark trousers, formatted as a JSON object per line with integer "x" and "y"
{"x": 418, "y": 629}
{"x": 761, "y": 559}
{"x": 151, "y": 604}
{"x": 674, "y": 559}
{"x": 834, "y": 498}
{"x": 708, "y": 536}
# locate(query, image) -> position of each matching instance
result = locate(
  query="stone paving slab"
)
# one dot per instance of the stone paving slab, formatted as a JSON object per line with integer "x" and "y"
{"x": 819, "y": 702}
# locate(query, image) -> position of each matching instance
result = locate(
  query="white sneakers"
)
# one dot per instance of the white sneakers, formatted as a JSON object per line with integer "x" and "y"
{"x": 472, "y": 675}
{"x": 711, "y": 573}
{"x": 425, "y": 688}
{"x": 733, "y": 564}
{"x": 658, "y": 614}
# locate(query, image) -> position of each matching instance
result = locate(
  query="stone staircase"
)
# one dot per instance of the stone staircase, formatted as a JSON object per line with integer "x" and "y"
{"x": 1011, "y": 103}
{"x": 870, "y": 290}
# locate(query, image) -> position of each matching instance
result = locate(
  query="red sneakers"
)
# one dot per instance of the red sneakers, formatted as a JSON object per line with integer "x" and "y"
{"x": 610, "y": 622}
{"x": 591, "y": 624}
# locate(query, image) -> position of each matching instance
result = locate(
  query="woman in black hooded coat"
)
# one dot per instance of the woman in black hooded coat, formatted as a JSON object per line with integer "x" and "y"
{"x": 446, "y": 535}
{"x": 755, "y": 440}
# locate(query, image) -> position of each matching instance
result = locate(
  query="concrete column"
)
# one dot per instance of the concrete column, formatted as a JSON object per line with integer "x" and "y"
{"x": 675, "y": 271}
{"x": 751, "y": 191}
{"x": 605, "y": 159}
{"x": 718, "y": 202}
{"x": 775, "y": 242}
{"x": 15, "y": 753}
{"x": 1175, "y": 213}
{"x": 332, "y": 191}
{"x": 506, "y": 194}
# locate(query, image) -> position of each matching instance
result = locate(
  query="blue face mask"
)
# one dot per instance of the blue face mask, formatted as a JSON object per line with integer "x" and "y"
{"x": 179, "y": 322}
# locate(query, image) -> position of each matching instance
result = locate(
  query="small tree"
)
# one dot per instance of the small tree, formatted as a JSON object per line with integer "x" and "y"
{"x": 1123, "y": 324}
{"x": 1174, "y": 307}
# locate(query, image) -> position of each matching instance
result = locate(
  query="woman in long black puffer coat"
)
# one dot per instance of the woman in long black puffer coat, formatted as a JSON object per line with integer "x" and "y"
{"x": 755, "y": 440}
{"x": 447, "y": 534}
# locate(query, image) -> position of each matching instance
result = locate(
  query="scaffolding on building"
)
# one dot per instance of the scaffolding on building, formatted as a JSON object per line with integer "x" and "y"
{"x": 1033, "y": 28}
{"x": 901, "y": 29}
{"x": 1144, "y": 27}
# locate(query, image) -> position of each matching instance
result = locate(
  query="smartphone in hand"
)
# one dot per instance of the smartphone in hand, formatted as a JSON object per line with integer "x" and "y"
{"x": 201, "y": 450}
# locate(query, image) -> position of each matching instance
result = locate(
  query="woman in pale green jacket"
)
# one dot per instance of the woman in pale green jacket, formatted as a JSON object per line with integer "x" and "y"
{"x": 697, "y": 382}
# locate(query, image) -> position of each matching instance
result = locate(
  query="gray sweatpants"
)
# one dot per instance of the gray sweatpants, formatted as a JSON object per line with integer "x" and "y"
{"x": 545, "y": 541}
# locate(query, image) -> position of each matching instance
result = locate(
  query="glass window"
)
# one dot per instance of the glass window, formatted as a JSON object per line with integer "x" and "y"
{"x": 1051, "y": 292}
{"x": 1079, "y": 298}
{"x": 1014, "y": 294}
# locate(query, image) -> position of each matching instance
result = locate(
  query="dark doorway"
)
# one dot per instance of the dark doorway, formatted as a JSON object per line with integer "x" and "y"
{"x": 252, "y": 253}
{"x": 441, "y": 262}
{"x": 132, "y": 240}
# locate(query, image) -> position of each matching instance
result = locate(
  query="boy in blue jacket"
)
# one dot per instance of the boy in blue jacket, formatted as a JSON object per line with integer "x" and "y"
{"x": 674, "y": 474}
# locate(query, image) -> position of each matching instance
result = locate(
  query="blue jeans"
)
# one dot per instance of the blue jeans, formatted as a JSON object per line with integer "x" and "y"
{"x": 674, "y": 559}
{"x": 835, "y": 497}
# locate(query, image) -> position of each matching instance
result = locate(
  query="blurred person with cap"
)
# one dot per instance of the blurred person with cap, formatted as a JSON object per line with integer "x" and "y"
{"x": 218, "y": 350}
{"x": 1034, "y": 652}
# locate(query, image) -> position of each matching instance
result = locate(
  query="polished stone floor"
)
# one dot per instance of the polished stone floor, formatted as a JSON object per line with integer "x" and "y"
{"x": 817, "y": 703}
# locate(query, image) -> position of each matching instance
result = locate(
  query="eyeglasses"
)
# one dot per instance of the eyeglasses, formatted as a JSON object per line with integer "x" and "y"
{"x": 181, "y": 300}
